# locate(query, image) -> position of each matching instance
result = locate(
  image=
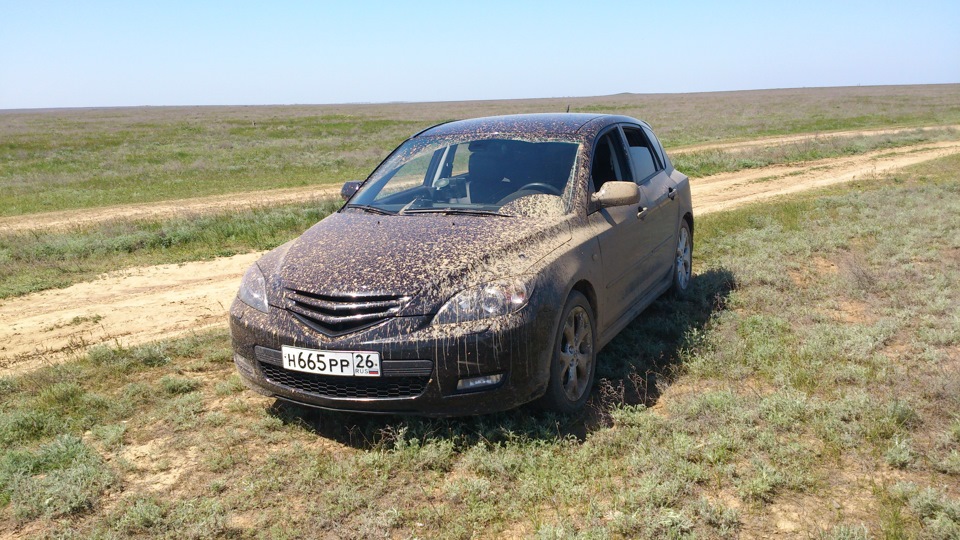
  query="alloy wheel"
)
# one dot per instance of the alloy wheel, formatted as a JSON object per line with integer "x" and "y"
{"x": 684, "y": 256}
{"x": 576, "y": 353}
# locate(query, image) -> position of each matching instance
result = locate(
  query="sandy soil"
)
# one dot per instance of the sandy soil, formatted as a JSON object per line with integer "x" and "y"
{"x": 127, "y": 307}
{"x": 144, "y": 304}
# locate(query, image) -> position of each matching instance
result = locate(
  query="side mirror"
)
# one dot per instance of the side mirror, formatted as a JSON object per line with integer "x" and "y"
{"x": 349, "y": 189}
{"x": 617, "y": 194}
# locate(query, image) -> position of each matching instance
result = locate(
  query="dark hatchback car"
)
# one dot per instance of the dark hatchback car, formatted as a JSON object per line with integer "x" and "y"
{"x": 481, "y": 266}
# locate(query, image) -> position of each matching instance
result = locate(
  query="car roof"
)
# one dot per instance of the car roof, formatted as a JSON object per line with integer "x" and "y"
{"x": 541, "y": 124}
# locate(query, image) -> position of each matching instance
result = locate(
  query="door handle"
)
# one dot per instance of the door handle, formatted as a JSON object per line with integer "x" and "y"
{"x": 642, "y": 213}
{"x": 672, "y": 193}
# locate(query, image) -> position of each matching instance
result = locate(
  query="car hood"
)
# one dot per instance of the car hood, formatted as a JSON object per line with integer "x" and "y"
{"x": 423, "y": 256}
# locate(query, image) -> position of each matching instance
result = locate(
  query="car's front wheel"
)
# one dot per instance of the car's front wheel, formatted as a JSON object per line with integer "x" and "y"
{"x": 574, "y": 358}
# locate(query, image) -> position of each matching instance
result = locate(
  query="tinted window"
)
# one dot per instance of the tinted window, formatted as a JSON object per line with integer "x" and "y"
{"x": 657, "y": 147}
{"x": 609, "y": 162}
{"x": 641, "y": 153}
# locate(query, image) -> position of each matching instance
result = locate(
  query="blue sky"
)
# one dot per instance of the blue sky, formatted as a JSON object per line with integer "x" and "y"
{"x": 99, "y": 53}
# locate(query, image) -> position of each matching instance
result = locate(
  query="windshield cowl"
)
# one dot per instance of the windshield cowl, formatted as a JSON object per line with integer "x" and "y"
{"x": 452, "y": 211}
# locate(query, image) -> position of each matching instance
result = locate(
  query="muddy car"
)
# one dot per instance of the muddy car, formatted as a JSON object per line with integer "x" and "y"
{"x": 481, "y": 266}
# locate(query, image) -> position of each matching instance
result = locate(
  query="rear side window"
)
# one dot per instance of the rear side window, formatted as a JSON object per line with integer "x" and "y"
{"x": 645, "y": 162}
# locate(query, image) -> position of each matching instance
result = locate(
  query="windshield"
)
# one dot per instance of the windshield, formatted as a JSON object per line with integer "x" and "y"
{"x": 487, "y": 176}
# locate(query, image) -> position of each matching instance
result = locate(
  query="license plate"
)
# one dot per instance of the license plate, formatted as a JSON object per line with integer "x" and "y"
{"x": 339, "y": 363}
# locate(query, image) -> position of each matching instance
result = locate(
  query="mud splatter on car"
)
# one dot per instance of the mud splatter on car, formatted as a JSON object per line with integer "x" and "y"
{"x": 481, "y": 266}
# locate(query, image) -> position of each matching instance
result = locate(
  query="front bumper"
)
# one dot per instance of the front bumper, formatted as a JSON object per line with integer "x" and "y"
{"x": 421, "y": 363}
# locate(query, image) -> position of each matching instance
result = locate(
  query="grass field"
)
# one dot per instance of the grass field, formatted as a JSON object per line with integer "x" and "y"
{"x": 57, "y": 160}
{"x": 62, "y": 160}
{"x": 809, "y": 385}
{"x": 37, "y": 260}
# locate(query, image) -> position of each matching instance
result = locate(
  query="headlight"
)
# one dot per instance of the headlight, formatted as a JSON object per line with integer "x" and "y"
{"x": 253, "y": 289}
{"x": 488, "y": 300}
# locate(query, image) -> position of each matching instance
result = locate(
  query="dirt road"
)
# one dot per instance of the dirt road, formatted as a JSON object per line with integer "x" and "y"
{"x": 729, "y": 190}
{"x": 202, "y": 205}
{"x": 140, "y": 305}
{"x": 789, "y": 139}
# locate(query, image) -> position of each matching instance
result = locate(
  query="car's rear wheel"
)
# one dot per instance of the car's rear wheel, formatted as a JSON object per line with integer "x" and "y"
{"x": 683, "y": 261}
{"x": 574, "y": 358}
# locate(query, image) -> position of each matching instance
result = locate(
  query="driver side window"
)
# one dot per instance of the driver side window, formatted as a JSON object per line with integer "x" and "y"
{"x": 609, "y": 163}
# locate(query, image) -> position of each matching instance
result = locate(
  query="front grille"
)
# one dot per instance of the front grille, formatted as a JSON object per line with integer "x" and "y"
{"x": 336, "y": 315}
{"x": 401, "y": 378}
{"x": 346, "y": 387}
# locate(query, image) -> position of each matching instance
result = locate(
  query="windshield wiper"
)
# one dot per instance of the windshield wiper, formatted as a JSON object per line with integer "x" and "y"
{"x": 456, "y": 211}
{"x": 371, "y": 209}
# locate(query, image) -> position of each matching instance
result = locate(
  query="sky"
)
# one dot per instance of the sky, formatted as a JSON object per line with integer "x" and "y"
{"x": 127, "y": 53}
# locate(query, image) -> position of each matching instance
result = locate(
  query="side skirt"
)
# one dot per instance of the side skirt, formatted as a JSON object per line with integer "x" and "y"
{"x": 662, "y": 286}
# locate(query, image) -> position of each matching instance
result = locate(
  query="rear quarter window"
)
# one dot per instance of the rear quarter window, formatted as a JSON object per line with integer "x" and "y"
{"x": 657, "y": 147}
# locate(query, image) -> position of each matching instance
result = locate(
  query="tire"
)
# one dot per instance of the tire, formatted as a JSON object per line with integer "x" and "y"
{"x": 683, "y": 260}
{"x": 574, "y": 359}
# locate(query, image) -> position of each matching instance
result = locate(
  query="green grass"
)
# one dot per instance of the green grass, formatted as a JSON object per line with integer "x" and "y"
{"x": 91, "y": 160}
{"x": 812, "y": 370}
{"x": 61, "y": 477}
{"x": 38, "y": 260}
{"x": 88, "y": 158}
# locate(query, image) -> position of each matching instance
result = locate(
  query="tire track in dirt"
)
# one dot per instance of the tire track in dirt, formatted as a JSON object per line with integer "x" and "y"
{"x": 135, "y": 306}
{"x": 729, "y": 190}
{"x": 72, "y": 219}
{"x": 127, "y": 307}
{"x": 788, "y": 139}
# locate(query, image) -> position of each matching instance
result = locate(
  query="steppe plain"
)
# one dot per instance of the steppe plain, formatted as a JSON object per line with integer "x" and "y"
{"x": 808, "y": 388}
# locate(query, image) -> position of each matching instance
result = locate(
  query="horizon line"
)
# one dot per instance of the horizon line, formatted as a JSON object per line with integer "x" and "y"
{"x": 427, "y": 102}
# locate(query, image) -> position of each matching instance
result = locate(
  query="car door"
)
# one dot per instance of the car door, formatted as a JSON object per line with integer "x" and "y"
{"x": 657, "y": 197}
{"x": 624, "y": 243}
